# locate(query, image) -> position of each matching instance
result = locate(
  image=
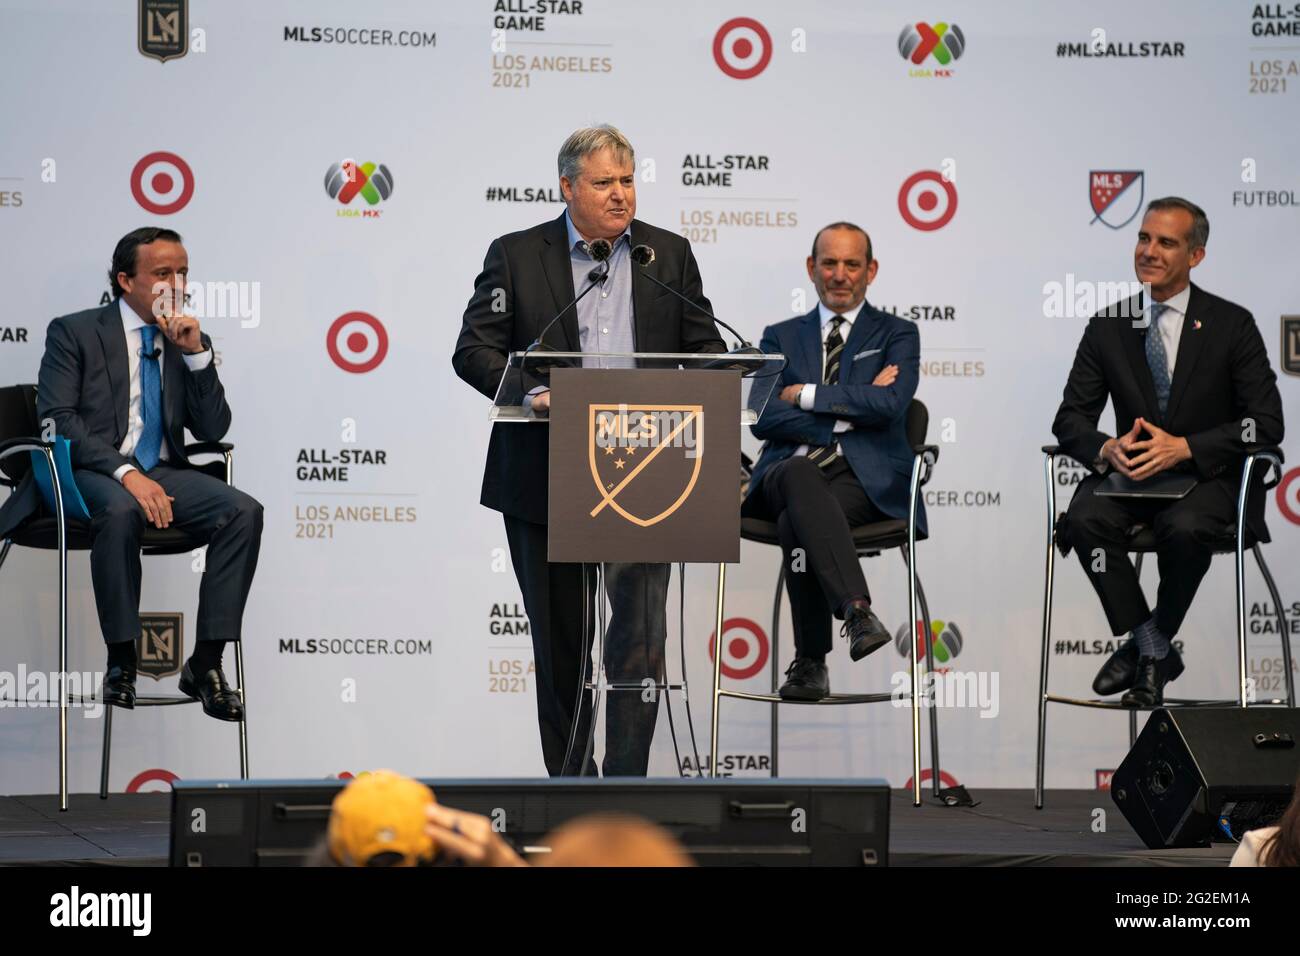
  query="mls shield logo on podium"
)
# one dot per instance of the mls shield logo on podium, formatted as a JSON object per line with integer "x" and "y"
{"x": 645, "y": 459}
{"x": 160, "y": 648}
{"x": 164, "y": 29}
{"x": 631, "y": 476}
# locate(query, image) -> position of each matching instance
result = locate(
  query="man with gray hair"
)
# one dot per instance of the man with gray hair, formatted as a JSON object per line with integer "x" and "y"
{"x": 528, "y": 278}
{"x": 1193, "y": 392}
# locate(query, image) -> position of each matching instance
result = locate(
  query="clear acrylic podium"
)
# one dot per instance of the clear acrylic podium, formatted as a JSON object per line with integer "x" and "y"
{"x": 530, "y": 372}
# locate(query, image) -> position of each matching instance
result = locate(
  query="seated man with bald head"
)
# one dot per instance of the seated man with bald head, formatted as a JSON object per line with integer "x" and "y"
{"x": 837, "y": 453}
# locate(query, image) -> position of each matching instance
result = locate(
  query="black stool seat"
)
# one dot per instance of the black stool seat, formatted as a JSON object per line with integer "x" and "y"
{"x": 1142, "y": 539}
{"x": 877, "y": 535}
{"x": 42, "y": 532}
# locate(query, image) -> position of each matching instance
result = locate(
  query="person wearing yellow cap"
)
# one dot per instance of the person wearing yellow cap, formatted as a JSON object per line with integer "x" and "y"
{"x": 379, "y": 820}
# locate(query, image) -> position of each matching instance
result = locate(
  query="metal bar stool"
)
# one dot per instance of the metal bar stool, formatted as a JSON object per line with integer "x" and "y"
{"x": 1142, "y": 541}
{"x": 870, "y": 540}
{"x": 18, "y": 420}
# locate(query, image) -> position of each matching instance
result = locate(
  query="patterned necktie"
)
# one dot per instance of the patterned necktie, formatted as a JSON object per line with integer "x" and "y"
{"x": 825, "y": 455}
{"x": 148, "y": 447}
{"x": 1157, "y": 358}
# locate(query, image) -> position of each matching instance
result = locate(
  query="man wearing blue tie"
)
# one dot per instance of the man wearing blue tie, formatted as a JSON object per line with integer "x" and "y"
{"x": 1192, "y": 388}
{"x": 123, "y": 383}
{"x": 836, "y": 453}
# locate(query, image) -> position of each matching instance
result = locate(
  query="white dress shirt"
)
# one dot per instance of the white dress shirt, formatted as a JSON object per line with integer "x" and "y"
{"x": 131, "y": 326}
{"x": 808, "y": 395}
{"x": 1170, "y": 324}
{"x": 1170, "y": 329}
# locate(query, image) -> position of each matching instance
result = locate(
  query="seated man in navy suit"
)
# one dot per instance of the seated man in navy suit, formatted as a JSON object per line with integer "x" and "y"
{"x": 836, "y": 453}
{"x": 123, "y": 382}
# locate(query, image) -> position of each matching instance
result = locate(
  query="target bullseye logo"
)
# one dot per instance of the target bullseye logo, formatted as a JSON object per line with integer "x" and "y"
{"x": 927, "y": 201}
{"x": 145, "y": 777}
{"x": 745, "y": 648}
{"x": 742, "y": 48}
{"x": 162, "y": 183}
{"x": 1288, "y": 496}
{"x": 357, "y": 342}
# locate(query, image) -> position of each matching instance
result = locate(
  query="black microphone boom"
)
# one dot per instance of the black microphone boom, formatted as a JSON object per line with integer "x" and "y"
{"x": 643, "y": 255}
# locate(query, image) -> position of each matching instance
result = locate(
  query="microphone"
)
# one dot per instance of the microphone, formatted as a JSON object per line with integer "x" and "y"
{"x": 643, "y": 255}
{"x": 600, "y": 250}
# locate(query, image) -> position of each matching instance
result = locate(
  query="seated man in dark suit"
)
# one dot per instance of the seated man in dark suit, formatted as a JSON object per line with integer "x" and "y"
{"x": 122, "y": 383}
{"x": 1192, "y": 389}
{"x": 836, "y": 453}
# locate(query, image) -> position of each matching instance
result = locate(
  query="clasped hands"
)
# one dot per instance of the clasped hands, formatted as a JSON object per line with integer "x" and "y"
{"x": 1139, "y": 458}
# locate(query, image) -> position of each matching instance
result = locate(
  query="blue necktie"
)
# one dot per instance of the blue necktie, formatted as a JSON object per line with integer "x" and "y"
{"x": 1157, "y": 358}
{"x": 150, "y": 443}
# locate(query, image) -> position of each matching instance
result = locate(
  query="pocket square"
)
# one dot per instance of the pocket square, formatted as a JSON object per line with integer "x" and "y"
{"x": 865, "y": 353}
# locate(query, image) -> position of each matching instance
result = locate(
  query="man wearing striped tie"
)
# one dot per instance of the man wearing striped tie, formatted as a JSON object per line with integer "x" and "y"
{"x": 1192, "y": 388}
{"x": 836, "y": 453}
{"x": 123, "y": 382}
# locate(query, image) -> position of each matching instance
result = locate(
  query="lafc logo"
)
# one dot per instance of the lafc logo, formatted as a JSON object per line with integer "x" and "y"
{"x": 159, "y": 651}
{"x": 164, "y": 27}
{"x": 645, "y": 459}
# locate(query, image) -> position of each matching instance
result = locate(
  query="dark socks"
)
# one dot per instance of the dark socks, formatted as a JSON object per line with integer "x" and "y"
{"x": 852, "y": 603}
{"x": 206, "y": 656}
{"x": 1150, "y": 642}
{"x": 121, "y": 654}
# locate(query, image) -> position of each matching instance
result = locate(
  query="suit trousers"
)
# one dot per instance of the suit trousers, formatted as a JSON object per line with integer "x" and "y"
{"x": 1186, "y": 530}
{"x": 227, "y": 519}
{"x": 559, "y": 600}
{"x": 814, "y": 510}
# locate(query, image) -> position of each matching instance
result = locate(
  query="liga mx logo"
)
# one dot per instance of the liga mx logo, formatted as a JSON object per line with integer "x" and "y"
{"x": 645, "y": 459}
{"x": 943, "y": 41}
{"x": 346, "y": 180}
{"x": 160, "y": 648}
{"x": 1114, "y": 200}
{"x": 945, "y": 639}
{"x": 163, "y": 29}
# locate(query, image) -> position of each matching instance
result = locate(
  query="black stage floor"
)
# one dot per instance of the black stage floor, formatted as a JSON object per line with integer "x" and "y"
{"x": 1004, "y": 830}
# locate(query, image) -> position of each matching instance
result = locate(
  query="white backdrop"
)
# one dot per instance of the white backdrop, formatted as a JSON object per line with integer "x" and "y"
{"x": 467, "y": 122}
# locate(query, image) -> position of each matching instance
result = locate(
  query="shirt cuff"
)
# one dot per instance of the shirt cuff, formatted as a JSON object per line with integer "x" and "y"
{"x": 808, "y": 397}
{"x": 199, "y": 360}
{"x": 121, "y": 472}
{"x": 533, "y": 393}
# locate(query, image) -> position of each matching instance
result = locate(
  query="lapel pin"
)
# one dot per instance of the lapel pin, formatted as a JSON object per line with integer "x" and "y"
{"x": 1196, "y": 323}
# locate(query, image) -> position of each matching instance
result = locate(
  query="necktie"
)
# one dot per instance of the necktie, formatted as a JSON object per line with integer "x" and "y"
{"x": 824, "y": 455}
{"x": 150, "y": 443}
{"x": 1157, "y": 358}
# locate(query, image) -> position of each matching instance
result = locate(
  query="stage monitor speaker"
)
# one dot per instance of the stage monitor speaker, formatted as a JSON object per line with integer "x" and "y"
{"x": 1197, "y": 774}
{"x": 727, "y": 822}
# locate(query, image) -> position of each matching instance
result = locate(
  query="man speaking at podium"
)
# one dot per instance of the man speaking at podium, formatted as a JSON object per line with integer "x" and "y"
{"x": 528, "y": 279}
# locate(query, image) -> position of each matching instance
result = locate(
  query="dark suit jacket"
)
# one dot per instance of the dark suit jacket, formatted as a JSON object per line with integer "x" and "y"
{"x": 876, "y": 448}
{"x": 84, "y": 386}
{"x": 1221, "y": 378}
{"x": 534, "y": 269}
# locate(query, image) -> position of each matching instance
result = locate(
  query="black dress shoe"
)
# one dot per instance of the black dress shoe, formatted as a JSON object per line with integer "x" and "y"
{"x": 119, "y": 687}
{"x": 1149, "y": 685}
{"x": 1120, "y": 669}
{"x": 865, "y": 632}
{"x": 805, "y": 679}
{"x": 212, "y": 691}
